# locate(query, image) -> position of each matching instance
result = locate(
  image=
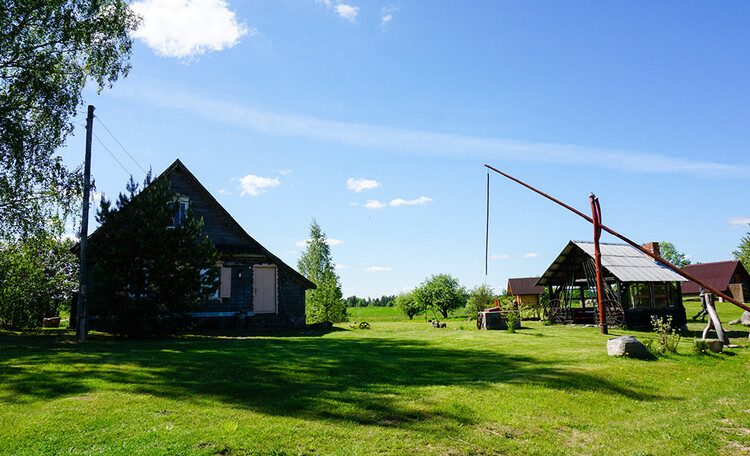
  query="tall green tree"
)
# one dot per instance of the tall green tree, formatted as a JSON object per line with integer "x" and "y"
{"x": 316, "y": 263}
{"x": 49, "y": 50}
{"x": 442, "y": 293}
{"x": 670, "y": 253}
{"x": 151, "y": 265}
{"x": 37, "y": 277}
{"x": 743, "y": 251}
{"x": 481, "y": 297}
{"x": 409, "y": 305}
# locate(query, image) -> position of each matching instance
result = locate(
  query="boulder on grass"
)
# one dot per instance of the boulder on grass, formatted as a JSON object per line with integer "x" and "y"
{"x": 627, "y": 346}
{"x": 709, "y": 345}
{"x": 745, "y": 318}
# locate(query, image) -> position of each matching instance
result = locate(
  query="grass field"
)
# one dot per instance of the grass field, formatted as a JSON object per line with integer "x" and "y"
{"x": 398, "y": 388}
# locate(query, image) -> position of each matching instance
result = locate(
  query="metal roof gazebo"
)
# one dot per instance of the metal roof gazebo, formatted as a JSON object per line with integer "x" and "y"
{"x": 636, "y": 288}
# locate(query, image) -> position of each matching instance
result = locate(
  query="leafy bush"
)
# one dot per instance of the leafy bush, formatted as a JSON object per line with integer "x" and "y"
{"x": 480, "y": 298}
{"x": 37, "y": 276}
{"x": 408, "y": 304}
{"x": 667, "y": 338}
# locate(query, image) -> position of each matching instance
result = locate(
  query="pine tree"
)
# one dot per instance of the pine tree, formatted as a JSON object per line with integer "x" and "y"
{"x": 743, "y": 251}
{"x": 150, "y": 267}
{"x": 323, "y": 303}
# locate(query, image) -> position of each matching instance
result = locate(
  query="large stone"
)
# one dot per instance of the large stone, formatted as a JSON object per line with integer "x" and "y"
{"x": 709, "y": 345}
{"x": 745, "y": 318}
{"x": 627, "y": 346}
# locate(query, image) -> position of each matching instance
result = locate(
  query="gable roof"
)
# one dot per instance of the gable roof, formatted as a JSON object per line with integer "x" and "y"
{"x": 622, "y": 261}
{"x": 718, "y": 275}
{"x": 524, "y": 286}
{"x": 219, "y": 210}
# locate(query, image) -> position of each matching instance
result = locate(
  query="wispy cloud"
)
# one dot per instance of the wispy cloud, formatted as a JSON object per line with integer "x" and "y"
{"x": 738, "y": 222}
{"x": 255, "y": 185}
{"x": 188, "y": 28}
{"x": 222, "y": 191}
{"x": 340, "y": 266}
{"x": 344, "y": 11}
{"x": 531, "y": 255}
{"x": 374, "y": 204}
{"x": 386, "y": 14}
{"x": 360, "y": 185}
{"x": 329, "y": 241}
{"x": 499, "y": 257}
{"x": 284, "y": 172}
{"x": 398, "y": 202}
{"x": 377, "y": 269}
{"x": 400, "y": 141}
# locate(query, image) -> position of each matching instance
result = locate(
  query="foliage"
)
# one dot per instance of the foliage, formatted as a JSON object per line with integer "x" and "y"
{"x": 49, "y": 50}
{"x": 511, "y": 318}
{"x": 37, "y": 277}
{"x": 743, "y": 251}
{"x": 670, "y": 253}
{"x": 316, "y": 263}
{"x": 481, "y": 297}
{"x": 150, "y": 268}
{"x": 383, "y": 301}
{"x": 408, "y": 304}
{"x": 667, "y": 338}
{"x": 441, "y": 293}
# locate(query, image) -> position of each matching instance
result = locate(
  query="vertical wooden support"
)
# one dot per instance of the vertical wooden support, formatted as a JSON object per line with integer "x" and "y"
{"x": 82, "y": 328}
{"x": 597, "y": 218}
{"x": 713, "y": 320}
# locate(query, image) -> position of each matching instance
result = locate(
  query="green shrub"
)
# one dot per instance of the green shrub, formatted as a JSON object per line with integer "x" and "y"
{"x": 667, "y": 338}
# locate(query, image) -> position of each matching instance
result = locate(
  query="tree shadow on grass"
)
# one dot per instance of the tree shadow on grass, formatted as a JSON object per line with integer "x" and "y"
{"x": 360, "y": 380}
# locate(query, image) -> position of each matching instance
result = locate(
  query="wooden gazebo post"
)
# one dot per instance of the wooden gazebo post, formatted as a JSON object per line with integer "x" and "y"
{"x": 596, "y": 212}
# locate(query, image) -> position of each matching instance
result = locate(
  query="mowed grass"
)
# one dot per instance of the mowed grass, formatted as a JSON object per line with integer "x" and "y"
{"x": 398, "y": 388}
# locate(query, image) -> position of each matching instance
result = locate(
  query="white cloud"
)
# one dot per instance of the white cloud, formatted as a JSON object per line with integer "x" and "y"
{"x": 500, "y": 257}
{"x": 377, "y": 269}
{"x": 398, "y": 202}
{"x": 284, "y": 172}
{"x": 738, "y": 222}
{"x": 329, "y": 241}
{"x": 386, "y": 14}
{"x": 255, "y": 185}
{"x": 188, "y": 28}
{"x": 531, "y": 255}
{"x": 340, "y": 266}
{"x": 374, "y": 204}
{"x": 360, "y": 185}
{"x": 423, "y": 143}
{"x": 347, "y": 12}
{"x": 222, "y": 191}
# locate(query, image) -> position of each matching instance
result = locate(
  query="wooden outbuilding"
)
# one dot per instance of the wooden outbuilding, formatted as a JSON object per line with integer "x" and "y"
{"x": 729, "y": 277}
{"x": 637, "y": 288}
{"x": 257, "y": 288}
{"x": 525, "y": 292}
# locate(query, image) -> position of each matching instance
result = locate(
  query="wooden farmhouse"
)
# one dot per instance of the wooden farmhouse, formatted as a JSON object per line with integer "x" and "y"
{"x": 525, "y": 291}
{"x": 729, "y": 277}
{"x": 636, "y": 287}
{"x": 257, "y": 289}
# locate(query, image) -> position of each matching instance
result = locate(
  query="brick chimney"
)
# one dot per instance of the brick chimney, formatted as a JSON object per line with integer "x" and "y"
{"x": 652, "y": 247}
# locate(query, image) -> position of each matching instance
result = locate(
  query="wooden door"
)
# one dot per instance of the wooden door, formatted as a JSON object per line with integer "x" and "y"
{"x": 264, "y": 289}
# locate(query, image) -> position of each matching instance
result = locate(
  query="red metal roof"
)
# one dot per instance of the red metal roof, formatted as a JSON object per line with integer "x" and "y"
{"x": 717, "y": 275}
{"x": 524, "y": 286}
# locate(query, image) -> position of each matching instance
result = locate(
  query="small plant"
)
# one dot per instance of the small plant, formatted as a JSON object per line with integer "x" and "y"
{"x": 667, "y": 338}
{"x": 511, "y": 317}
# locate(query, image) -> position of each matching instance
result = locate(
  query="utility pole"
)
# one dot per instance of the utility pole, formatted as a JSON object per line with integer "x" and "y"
{"x": 83, "y": 307}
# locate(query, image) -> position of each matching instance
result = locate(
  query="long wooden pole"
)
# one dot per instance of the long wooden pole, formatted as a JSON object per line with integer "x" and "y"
{"x": 631, "y": 243}
{"x": 83, "y": 308}
{"x": 596, "y": 213}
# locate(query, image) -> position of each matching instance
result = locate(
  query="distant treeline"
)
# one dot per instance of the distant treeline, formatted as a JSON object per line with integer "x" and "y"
{"x": 383, "y": 301}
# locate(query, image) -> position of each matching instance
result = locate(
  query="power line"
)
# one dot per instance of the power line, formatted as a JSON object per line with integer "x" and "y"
{"x": 120, "y": 144}
{"x": 113, "y": 156}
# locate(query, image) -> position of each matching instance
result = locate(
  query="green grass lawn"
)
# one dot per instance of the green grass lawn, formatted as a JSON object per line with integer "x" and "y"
{"x": 398, "y": 388}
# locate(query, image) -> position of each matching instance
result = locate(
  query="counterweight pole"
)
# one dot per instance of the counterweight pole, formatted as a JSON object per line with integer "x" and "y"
{"x": 596, "y": 212}
{"x": 631, "y": 243}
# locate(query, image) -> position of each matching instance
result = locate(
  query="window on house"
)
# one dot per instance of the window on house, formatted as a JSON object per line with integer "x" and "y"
{"x": 181, "y": 207}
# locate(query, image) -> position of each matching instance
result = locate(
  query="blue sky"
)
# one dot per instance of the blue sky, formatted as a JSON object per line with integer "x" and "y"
{"x": 376, "y": 119}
